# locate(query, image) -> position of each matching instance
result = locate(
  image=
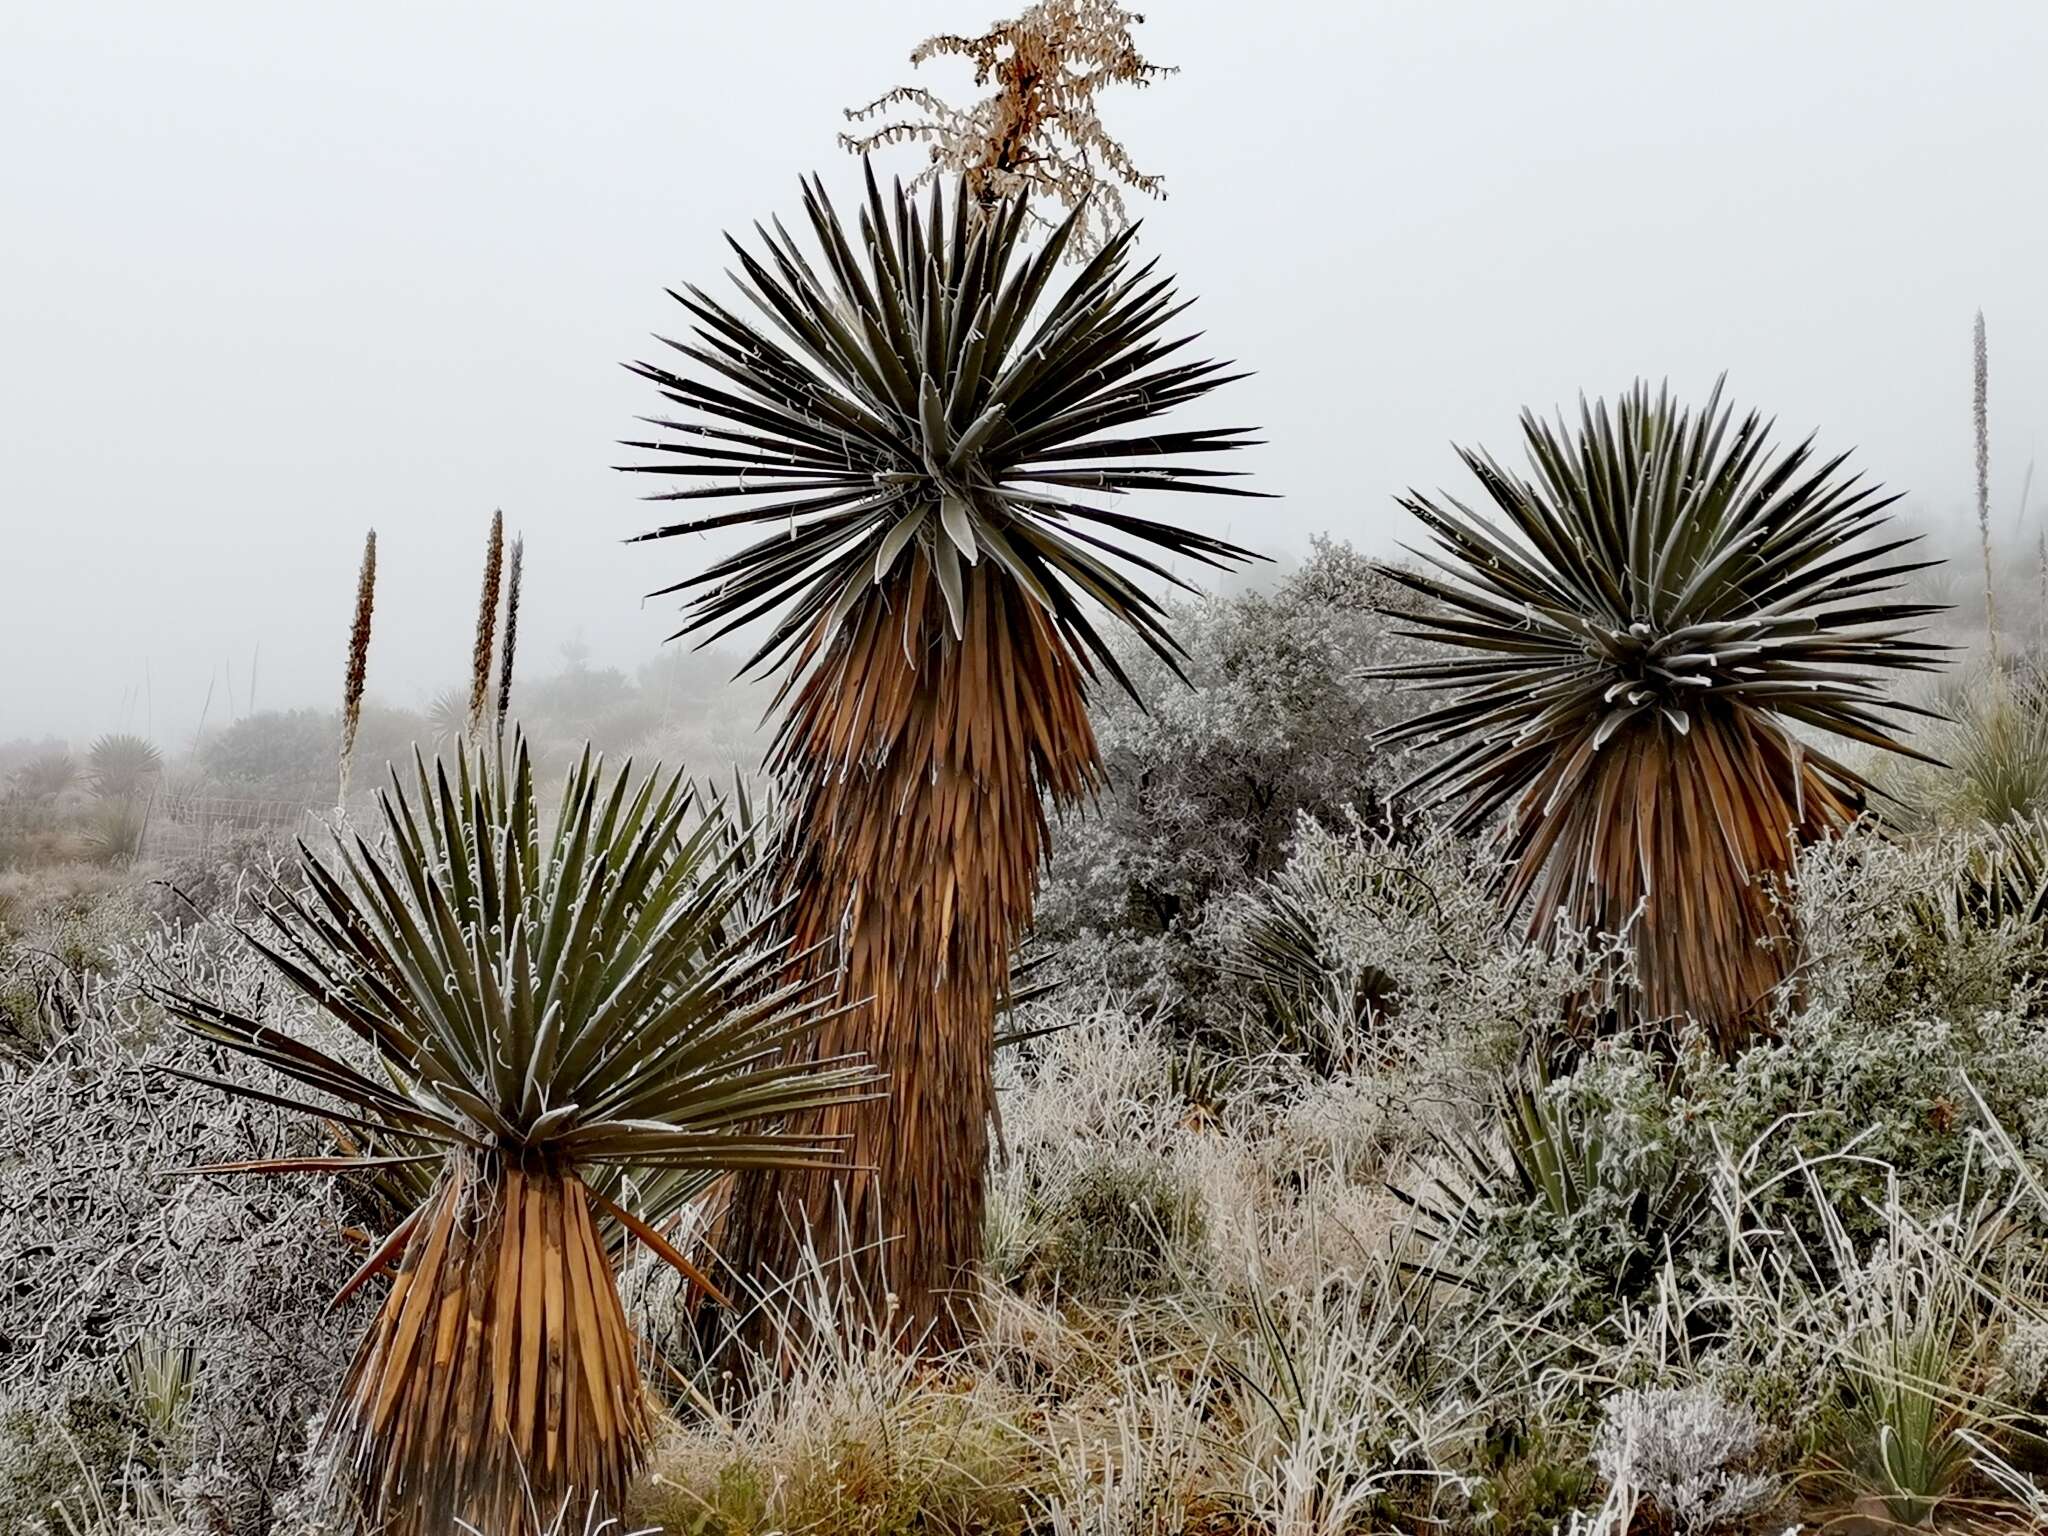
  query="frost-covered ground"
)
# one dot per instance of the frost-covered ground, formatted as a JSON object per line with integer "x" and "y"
{"x": 1231, "y": 1288}
{"x": 1275, "y": 1245}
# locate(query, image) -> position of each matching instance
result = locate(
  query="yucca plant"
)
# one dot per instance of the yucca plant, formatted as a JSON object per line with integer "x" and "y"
{"x": 1995, "y": 744}
{"x": 2009, "y": 877}
{"x": 45, "y": 777}
{"x": 448, "y": 716}
{"x": 1316, "y": 1005}
{"x": 919, "y": 423}
{"x": 122, "y": 767}
{"x": 1668, "y": 613}
{"x": 571, "y": 1035}
{"x": 159, "y": 1377}
{"x": 2003, "y": 879}
{"x": 1556, "y": 1160}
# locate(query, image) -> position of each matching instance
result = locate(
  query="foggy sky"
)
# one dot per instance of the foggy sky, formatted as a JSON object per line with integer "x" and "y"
{"x": 274, "y": 274}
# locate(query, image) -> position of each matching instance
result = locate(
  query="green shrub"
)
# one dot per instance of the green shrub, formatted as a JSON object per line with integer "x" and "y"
{"x": 1113, "y": 1227}
{"x": 92, "y": 1443}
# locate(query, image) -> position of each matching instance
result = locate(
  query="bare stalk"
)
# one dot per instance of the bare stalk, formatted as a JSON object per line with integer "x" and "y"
{"x": 486, "y": 627}
{"x": 518, "y": 561}
{"x": 1979, "y": 399}
{"x": 358, "y": 662}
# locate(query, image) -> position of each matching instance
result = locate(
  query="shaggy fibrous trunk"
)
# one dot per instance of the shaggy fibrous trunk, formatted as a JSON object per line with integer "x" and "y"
{"x": 922, "y": 764}
{"x": 499, "y": 1378}
{"x": 1712, "y": 820}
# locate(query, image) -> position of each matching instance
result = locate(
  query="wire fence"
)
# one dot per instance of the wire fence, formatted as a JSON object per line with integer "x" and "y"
{"x": 182, "y": 824}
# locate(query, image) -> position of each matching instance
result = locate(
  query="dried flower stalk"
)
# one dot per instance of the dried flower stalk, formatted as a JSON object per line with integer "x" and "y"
{"x": 486, "y": 627}
{"x": 1037, "y": 134}
{"x": 518, "y": 561}
{"x": 358, "y": 661}
{"x": 1979, "y": 401}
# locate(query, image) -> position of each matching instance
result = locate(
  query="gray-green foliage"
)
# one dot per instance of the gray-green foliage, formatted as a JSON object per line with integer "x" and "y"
{"x": 1579, "y": 1191}
{"x": 1691, "y": 1452}
{"x": 1207, "y": 780}
{"x": 1894, "y": 1025}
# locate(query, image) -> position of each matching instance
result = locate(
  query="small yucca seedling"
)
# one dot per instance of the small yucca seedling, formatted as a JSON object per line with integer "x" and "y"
{"x": 554, "y": 1022}
{"x": 1663, "y": 616}
{"x": 159, "y": 1378}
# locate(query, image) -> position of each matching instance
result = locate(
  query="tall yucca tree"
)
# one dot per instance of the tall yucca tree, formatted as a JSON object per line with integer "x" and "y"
{"x": 1655, "y": 624}
{"x": 569, "y": 1036}
{"x": 919, "y": 422}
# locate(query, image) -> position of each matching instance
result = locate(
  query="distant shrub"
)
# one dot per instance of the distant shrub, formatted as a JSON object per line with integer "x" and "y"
{"x": 229, "y": 877}
{"x": 1208, "y": 777}
{"x": 275, "y": 755}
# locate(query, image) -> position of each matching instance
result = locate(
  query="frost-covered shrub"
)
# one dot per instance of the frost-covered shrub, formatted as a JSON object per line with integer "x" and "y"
{"x": 1896, "y": 1027}
{"x": 1409, "y": 912}
{"x": 1111, "y": 1225}
{"x": 1208, "y": 776}
{"x": 105, "y": 1246}
{"x": 229, "y": 879}
{"x": 1581, "y": 1192}
{"x": 2023, "y": 1364}
{"x": 1093, "y": 1196}
{"x": 1691, "y": 1454}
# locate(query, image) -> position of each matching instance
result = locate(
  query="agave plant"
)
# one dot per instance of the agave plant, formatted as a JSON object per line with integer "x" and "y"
{"x": 121, "y": 767}
{"x": 1669, "y": 613}
{"x": 1555, "y": 1159}
{"x": 1317, "y": 1006}
{"x": 47, "y": 776}
{"x": 919, "y": 423}
{"x": 1996, "y": 746}
{"x": 571, "y": 1036}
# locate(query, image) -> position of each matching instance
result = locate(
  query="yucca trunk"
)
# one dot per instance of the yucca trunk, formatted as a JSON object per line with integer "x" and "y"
{"x": 499, "y": 1378}
{"x": 923, "y": 763}
{"x": 1678, "y": 841}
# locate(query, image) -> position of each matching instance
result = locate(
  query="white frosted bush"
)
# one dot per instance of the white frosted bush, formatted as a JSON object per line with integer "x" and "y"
{"x": 1688, "y": 1452}
{"x": 105, "y": 1246}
